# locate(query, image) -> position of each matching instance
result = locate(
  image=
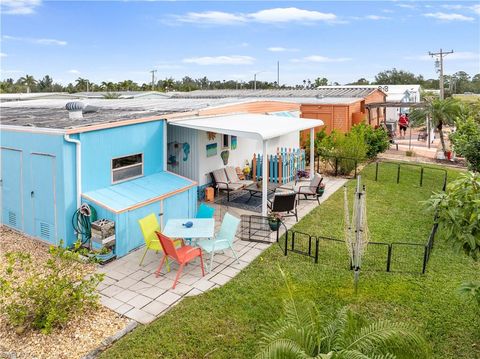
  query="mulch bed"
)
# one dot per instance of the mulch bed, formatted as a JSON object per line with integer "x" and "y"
{"x": 81, "y": 335}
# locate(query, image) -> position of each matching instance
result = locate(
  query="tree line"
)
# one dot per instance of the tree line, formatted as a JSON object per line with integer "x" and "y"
{"x": 459, "y": 82}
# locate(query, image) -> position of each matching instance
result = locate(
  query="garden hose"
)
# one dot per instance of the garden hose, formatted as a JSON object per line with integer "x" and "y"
{"x": 82, "y": 222}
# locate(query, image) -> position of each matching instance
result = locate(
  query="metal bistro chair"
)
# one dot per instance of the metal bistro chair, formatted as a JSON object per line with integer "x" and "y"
{"x": 284, "y": 202}
{"x": 223, "y": 239}
{"x": 307, "y": 189}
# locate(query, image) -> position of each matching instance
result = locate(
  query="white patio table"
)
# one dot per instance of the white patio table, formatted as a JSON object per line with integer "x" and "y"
{"x": 201, "y": 228}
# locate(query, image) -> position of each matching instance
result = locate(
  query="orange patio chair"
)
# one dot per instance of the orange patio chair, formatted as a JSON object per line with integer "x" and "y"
{"x": 181, "y": 255}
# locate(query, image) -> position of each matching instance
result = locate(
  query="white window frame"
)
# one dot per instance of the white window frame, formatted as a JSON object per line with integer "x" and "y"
{"x": 112, "y": 170}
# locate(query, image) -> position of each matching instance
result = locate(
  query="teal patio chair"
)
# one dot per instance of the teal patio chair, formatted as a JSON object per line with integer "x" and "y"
{"x": 204, "y": 211}
{"x": 223, "y": 239}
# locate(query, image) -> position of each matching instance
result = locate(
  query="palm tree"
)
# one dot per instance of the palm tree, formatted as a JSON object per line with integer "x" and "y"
{"x": 28, "y": 81}
{"x": 81, "y": 84}
{"x": 440, "y": 113}
{"x": 301, "y": 333}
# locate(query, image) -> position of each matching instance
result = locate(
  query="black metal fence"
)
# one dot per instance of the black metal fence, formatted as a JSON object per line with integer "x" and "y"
{"x": 337, "y": 166}
{"x": 260, "y": 229}
{"x": 423, "y": 169}
{"x": 379, "y": 256}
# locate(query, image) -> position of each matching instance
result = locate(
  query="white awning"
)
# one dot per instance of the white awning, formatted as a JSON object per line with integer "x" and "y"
{"x": 254, "y": 126}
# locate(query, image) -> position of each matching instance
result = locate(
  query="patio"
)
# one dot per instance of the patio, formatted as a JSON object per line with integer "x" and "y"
{"x": 134, "y": 291}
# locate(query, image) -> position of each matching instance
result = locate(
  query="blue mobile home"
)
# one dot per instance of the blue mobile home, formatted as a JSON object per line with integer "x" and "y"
{"x": 113, "y": 160}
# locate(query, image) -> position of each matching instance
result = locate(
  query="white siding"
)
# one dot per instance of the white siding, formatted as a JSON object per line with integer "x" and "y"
{"x": 186, "y": 164}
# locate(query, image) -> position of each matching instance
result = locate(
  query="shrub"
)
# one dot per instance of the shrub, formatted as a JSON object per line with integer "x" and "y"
{"x": 47, "y": 298}
{"x": 458, "y": 212}
{"x": 349, "y": 148}
{"x": 466, "y": 141}
{"x": 376, "y": 139}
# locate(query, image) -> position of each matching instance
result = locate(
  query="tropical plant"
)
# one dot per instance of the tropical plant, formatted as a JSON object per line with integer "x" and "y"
{"x": 458, "y": 213}
{"x": 82, "y": 84}
{"x": 376, "y": 139}
{"x": 302, "y": 332}
{"x": 111, "y": 95}
{"x": 440, "y": 112}
{"x": 28, "y": 81}
{"x": 471, "y": 289}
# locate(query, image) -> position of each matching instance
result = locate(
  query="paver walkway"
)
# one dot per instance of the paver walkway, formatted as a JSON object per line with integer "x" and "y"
{"x": 135, "y": 291}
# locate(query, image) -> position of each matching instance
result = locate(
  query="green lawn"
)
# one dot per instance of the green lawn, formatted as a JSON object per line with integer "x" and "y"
{"x": 225, "y": 322}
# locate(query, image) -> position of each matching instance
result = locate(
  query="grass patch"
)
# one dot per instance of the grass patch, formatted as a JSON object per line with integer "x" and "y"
{"x": 226, "y": 322}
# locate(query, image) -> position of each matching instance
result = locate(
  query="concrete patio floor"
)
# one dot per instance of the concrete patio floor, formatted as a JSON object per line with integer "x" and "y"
{"x": 135, "y": 292}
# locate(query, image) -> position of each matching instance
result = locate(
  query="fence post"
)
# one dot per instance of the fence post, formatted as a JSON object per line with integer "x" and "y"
{"x": 376, "y": 171}
{"x": 425, "y": 259}
{"x": 285, "y": 252}
{"x": 445, "y": 181}
{"x": 421, "y": 177}
{"x": 389, "y": 257}
{"x": 336, "y": 166}
{"x": 309, "y": 245}
{"x": 316, "y": 250}
{"x": 398, "y": 175}
{"x": 254, "y": 167}
{"x": 293, "y": 241}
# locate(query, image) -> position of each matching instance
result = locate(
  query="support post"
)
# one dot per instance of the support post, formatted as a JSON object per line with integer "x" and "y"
{"x": 264, "y": 179}
{"x": 312, "y": 153}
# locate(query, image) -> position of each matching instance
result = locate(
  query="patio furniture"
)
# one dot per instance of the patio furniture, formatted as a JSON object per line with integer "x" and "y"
{"x": 149, "y": 225}
{"x": 223, "y": 184}
{"x": 233, "y": 176}
{"x": 223, "y": 239}
{"x": 284, "y": 202}
{"x": 205, "y": 211}
{"x": 201, "y": 228}
{"x": 422, "y": 136}
{"x": 255, "y": 190}
{"x": 307, "y": 188}
{"x": 181, "y": 255}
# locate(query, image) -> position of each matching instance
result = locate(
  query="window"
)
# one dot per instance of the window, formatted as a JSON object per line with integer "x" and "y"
{"x": 226, "y": 142}
{"x": 128, "y": 167}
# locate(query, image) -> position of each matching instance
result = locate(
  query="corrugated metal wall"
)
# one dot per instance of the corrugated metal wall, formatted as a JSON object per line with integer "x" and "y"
{"x": 182, "y": 151}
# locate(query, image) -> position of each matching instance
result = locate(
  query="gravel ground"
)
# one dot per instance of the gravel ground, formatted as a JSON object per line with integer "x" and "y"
{"x": 74, "y": 340}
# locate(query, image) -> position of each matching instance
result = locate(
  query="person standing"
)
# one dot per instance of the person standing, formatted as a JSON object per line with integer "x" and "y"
{"x": 403, "y": 124}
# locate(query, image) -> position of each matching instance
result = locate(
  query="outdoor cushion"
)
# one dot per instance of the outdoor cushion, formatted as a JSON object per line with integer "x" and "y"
{"x": 232, "y": 174}
{"x": 315, "y": 180}
{"x": 220, "y": 176}
{"x": 304, "y": 188}
{"x": 231, "y": 186}
{"x": 233, "y": 177}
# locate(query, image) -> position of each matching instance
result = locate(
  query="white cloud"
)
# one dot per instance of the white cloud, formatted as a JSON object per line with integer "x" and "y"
{"x": 456, "y": 56}
{"x": 376, "y": 17}
{"x": 212, "y": 17}
{"x": 2, "y": 54}
{"x": 387, "y": 11}
{"x": 319, "y": 58}
{"x": 281, "y": 49}
{"x": 406, "y": 6}
{"x": 272, "y": 16}
{"x": 73, "y": 71}
{"x": 448, "y": 17}
{"x": 19, "y": 7}
{"x": 282, "y": 15}
{"x": 220, "y": 60}
{"x": 452, "y": 7}
{"x": 476, "y": 9}
{"x": 38, "y": 41}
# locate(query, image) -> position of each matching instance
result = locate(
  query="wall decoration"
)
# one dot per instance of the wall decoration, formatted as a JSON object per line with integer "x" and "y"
{"x": 211, "y": 135}
{"x": 186, "y": 151}
{"x": 173, "y": 150}
{"x": 225, "y": 154}
{"x": 211, "y": 149}
{"x": 226, "y": 141}
{"x": 233, "y": 142}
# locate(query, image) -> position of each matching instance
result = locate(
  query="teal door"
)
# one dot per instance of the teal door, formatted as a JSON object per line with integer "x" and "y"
{"x": 43, "y": 196}
{"x": 11, "y": 188}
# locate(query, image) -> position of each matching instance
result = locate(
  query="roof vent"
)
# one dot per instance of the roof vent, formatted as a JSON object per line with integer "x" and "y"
{"x": 75, "y": 109}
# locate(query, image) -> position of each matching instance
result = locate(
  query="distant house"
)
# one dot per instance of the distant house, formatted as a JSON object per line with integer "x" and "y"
{"x": 123, "y": 158}
{"x": 339, "y": 107}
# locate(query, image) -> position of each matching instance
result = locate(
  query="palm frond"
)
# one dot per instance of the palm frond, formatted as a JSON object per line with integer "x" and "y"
{"x": 282, "y": 349}
{"x": 355, "y": 354}
{"x": 334, "y": 333}
{"x": 385, "y": 337}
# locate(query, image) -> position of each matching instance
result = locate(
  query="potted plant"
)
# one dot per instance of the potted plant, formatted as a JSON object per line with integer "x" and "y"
{"x": 302, "y": 174}
{"x": 274, "y": 220}
{"x": 321, "y": 189}
{"x": 246, "y": 170}
{"x": 104, "y": 255}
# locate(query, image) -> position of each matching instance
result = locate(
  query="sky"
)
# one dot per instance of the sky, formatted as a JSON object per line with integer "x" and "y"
{"x": 340, "y": 40}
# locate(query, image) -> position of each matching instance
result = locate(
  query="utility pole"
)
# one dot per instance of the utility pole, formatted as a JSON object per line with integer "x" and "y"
{"x": 278, "y": 74}
{"x": 439, "y": 62}
{"x": 153, "y": 79}
{"x": 255, "y": 79}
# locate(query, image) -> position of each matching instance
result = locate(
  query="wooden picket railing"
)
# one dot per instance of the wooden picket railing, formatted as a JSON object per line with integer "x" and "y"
{"x": 282, "y": 166}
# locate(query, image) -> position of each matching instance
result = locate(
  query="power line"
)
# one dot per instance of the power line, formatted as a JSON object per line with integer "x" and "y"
{"x": 439, "y": 60}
